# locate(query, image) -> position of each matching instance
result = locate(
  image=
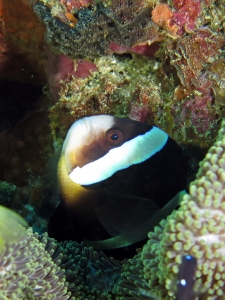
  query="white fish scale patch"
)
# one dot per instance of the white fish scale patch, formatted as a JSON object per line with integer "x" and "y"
{"x": 130, "y": 153}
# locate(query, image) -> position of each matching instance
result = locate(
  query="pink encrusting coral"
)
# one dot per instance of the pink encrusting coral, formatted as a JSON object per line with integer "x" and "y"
{"x": 186, "y": 14}
{"x": 139, "y": 113}
{"x": 198, "y": 112}
{"x": 162, "y": 15}
{"x": 191, "y": 54}
{"x": 71, "y": 4}
{"x": 145, "y": 50}
{"x": 179, "y": 19}
{"x": 139, "y": 110}
{"x": 61, "y": 67}
{"x": 195, "y": 113}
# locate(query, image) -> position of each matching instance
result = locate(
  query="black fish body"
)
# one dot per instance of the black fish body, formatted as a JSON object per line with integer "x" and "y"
{"x": 114, "y": 177}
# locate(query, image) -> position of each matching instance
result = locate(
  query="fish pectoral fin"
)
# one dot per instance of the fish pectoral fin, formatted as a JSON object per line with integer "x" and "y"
{"x": 129, "y": 219}
{"x": 123, "y": 217}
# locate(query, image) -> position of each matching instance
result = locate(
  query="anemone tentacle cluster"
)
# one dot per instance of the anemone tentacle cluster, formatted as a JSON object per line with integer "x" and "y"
{"x": 89, "y": 274}
{"x": 38, "y": 267}
{"x": 197, "y": 228}
{"x": 132, "y": 284}
{"x": 28, "y": 272}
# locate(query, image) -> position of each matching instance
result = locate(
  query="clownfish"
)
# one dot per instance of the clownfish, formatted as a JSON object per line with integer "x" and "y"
{"x": 117, "y": 177}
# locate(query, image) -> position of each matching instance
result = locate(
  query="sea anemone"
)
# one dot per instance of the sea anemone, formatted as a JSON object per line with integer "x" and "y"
{"x": 33, "y": 266}
{"x": 197, "y": 229}
{"x": 27, "y": 271}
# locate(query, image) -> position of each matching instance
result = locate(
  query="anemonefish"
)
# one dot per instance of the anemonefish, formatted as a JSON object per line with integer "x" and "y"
{"x": 117, "y": 176}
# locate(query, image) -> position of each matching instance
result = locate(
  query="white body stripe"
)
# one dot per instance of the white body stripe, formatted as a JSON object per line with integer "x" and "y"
{"x": 132, "y": 152}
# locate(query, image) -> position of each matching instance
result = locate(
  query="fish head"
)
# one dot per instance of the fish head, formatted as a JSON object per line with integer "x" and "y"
{"x": 91, "y": 138}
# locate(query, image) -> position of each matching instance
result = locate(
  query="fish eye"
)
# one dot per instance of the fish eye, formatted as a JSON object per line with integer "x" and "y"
{"x": 114, "y": 137}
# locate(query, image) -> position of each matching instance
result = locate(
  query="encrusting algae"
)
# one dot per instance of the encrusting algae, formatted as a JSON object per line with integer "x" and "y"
{"x": 112, "y": 90}
{"x": 123, "y": 23}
